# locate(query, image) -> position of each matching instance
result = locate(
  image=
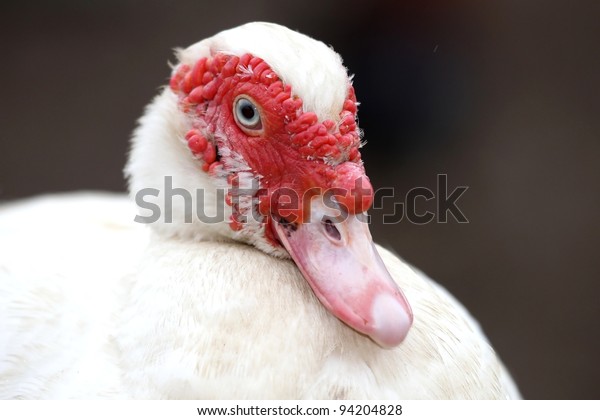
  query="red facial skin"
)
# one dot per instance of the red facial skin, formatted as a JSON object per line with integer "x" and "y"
{"x": 293, "y": 152}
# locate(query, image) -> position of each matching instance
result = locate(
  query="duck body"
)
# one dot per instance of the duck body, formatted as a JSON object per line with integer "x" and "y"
{"x": 99, "y": 299}
{"x": 92, "y": 305}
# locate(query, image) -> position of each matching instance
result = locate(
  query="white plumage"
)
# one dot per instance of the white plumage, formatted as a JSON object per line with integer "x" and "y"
{"x": 93, "y": 305}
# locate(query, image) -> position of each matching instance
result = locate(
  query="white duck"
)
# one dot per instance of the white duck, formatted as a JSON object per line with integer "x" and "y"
{"x": 93, "y": 304}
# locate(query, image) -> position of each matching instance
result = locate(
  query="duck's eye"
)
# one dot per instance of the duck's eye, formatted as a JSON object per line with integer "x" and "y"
{"x": 247, "y": 115}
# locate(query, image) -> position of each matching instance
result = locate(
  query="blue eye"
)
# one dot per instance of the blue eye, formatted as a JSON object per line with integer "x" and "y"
{"x": 247, "y": 115}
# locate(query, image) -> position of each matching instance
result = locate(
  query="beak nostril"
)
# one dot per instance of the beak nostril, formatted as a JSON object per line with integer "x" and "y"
{"x": 331, "y": 230}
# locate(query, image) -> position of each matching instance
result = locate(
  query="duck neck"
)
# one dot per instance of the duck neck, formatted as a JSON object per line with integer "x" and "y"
{"x": 172, "y": 192}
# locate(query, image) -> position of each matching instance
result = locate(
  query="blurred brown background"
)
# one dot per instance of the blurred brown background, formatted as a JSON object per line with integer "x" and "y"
{"x": 501, "y": 96}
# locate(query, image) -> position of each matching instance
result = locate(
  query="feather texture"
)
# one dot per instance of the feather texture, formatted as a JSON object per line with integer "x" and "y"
{"x": 94, "y": 305}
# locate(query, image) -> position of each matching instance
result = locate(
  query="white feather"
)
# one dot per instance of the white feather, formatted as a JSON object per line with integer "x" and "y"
{"x": 93, "y": 305}
{"x": 90, "y": 307}
{"x": 313, "y": 70}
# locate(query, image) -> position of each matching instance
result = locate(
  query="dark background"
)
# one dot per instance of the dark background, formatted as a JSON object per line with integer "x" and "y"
{"x": 501, "y": 96}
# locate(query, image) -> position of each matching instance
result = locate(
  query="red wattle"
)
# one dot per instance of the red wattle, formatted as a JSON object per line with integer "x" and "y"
{"x": 352, "y": 188}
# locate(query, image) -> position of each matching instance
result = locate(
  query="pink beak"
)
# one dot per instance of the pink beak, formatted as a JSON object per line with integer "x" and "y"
{"x": 336, "y": 255}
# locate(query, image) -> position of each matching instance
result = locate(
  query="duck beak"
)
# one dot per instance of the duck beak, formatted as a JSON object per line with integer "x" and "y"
{"x": 336, "y": 255}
